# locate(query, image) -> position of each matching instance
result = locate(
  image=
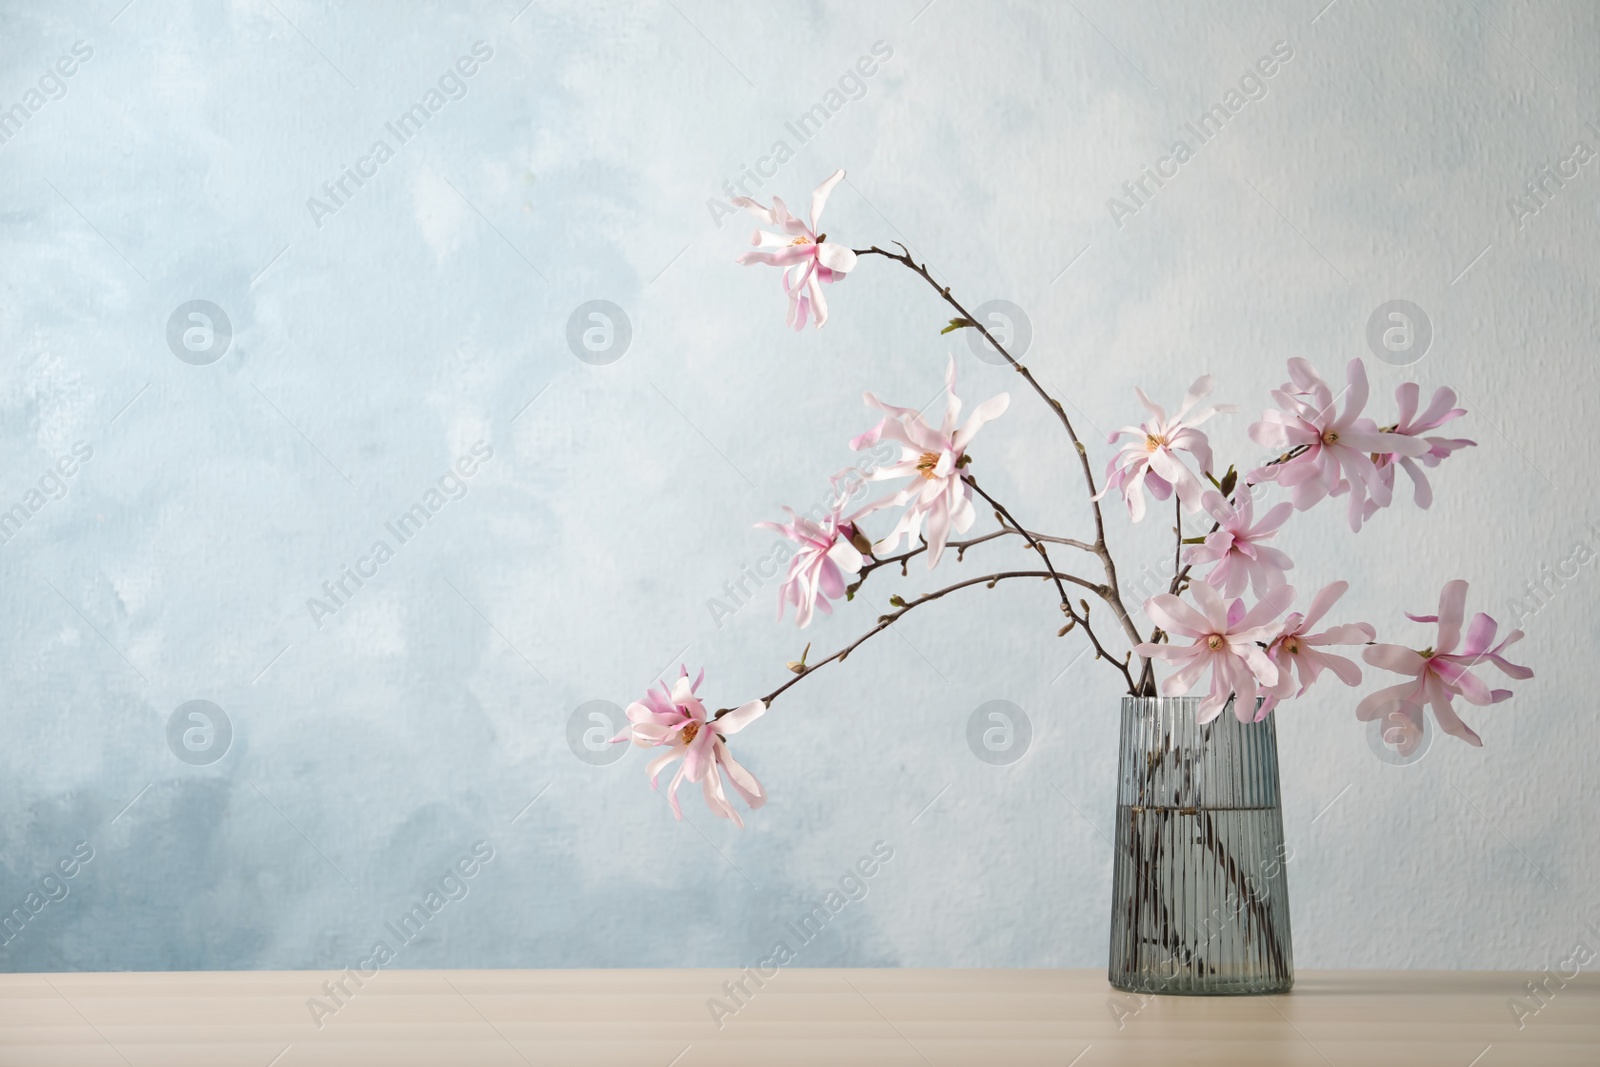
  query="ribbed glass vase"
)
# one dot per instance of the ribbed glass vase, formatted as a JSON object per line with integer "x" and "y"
{"x": 1200, "y": 895}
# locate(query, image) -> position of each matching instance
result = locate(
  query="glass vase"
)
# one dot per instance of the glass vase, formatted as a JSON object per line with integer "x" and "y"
{"x": 1200, "y": 895}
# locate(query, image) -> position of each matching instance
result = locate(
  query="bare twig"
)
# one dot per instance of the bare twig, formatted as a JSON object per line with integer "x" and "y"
{"x": 961, "y": 547}
{"x": 885, "y": 621}
{"x": 1068, "y": 541}
{"x": 1177, "y": 534}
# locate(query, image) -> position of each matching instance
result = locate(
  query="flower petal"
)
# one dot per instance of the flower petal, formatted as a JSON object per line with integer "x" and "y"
{"x": 672, "y": 790}
{"x": 1212, "y": 606}
{"x": 1267, "y": 608}
{"x": 1326, "y": 597}
{"x": 1342, "y": 666}
{"x": 1396, "y": 658}
{"x": 1183, "y": 680}
{"x": 717, "y": 800}
{"x": 744, "y": 783}
{"x": 836, "y": 257}
{"x": 819, "y": 303}
{"x": 1452, "y": 606}
{"x": 1386, "y": 702}
{"x": 1176, "y": 617}
{"x": 660, "y": 763}
{"x": 739, "y": 718}
{"x": 1445, "y": 715}
{"x": 1200, "y": 389}
{"x": 990, "y": 409}
{"x": 819, "y": 197}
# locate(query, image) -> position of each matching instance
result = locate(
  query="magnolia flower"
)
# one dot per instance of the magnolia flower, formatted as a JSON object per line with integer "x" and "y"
{"x": 1337, "y": 449}
{"x": 675, "y": 719}
{"x": 1235, "y": 545}
{"x": 1151, "y": 457}
{"x": 1441, "y": 673}
{"x": 1440, "y": 411}
{"x": 1225, "y": 637}
{"x": 827, "y": 554}
{"x": 1296, "y": 649}
{"x": 933, "y": 459}
{"x": 808, "y": 260}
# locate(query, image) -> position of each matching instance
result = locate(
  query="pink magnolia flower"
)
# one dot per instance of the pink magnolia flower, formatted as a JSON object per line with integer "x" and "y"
{"x": 1337, "y": 456}
{"x": 675, "y": 719}
{"x": 1441, "y": 673}
{"x": 1235, "y": 546}
{"x": 826, "y": 555}
{"x": 1225, "y": 637}
{"x": 937, "y": 495}
{"x": 1297, "y": 650}
{"x": 1410, "y": 424}
{"x": 1151, "y": 457}
{"x": 808, "y": 259}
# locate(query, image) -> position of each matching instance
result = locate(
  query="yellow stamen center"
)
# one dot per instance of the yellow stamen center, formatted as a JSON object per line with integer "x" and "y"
{"x": 926, "y": 464}
{"x": 801, "y": 240}
{"x": 1214, "y": 642}
{"x": 1331, "y": 437}
{"x": 1292, "y": 645}
{"x": 690, "y": 731}
{"x": 1153, "y": 442}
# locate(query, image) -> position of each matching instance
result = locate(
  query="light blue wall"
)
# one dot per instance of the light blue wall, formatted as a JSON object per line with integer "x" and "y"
{"x": 374, "y": 346}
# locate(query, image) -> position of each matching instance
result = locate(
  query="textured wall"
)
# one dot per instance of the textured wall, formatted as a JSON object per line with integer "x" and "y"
{"x": 407, "y": 343}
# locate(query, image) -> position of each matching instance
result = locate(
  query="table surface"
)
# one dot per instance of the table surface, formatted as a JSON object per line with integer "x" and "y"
{"x": 662, "y": 1018}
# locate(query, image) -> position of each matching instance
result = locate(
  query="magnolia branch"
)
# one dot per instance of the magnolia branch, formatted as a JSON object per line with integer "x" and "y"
{"x": 1112, "y": 597}
{"x": 903, "y": 608}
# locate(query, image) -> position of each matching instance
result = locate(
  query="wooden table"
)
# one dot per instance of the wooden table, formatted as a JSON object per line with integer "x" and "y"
{"x": 877, "y": 1017}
